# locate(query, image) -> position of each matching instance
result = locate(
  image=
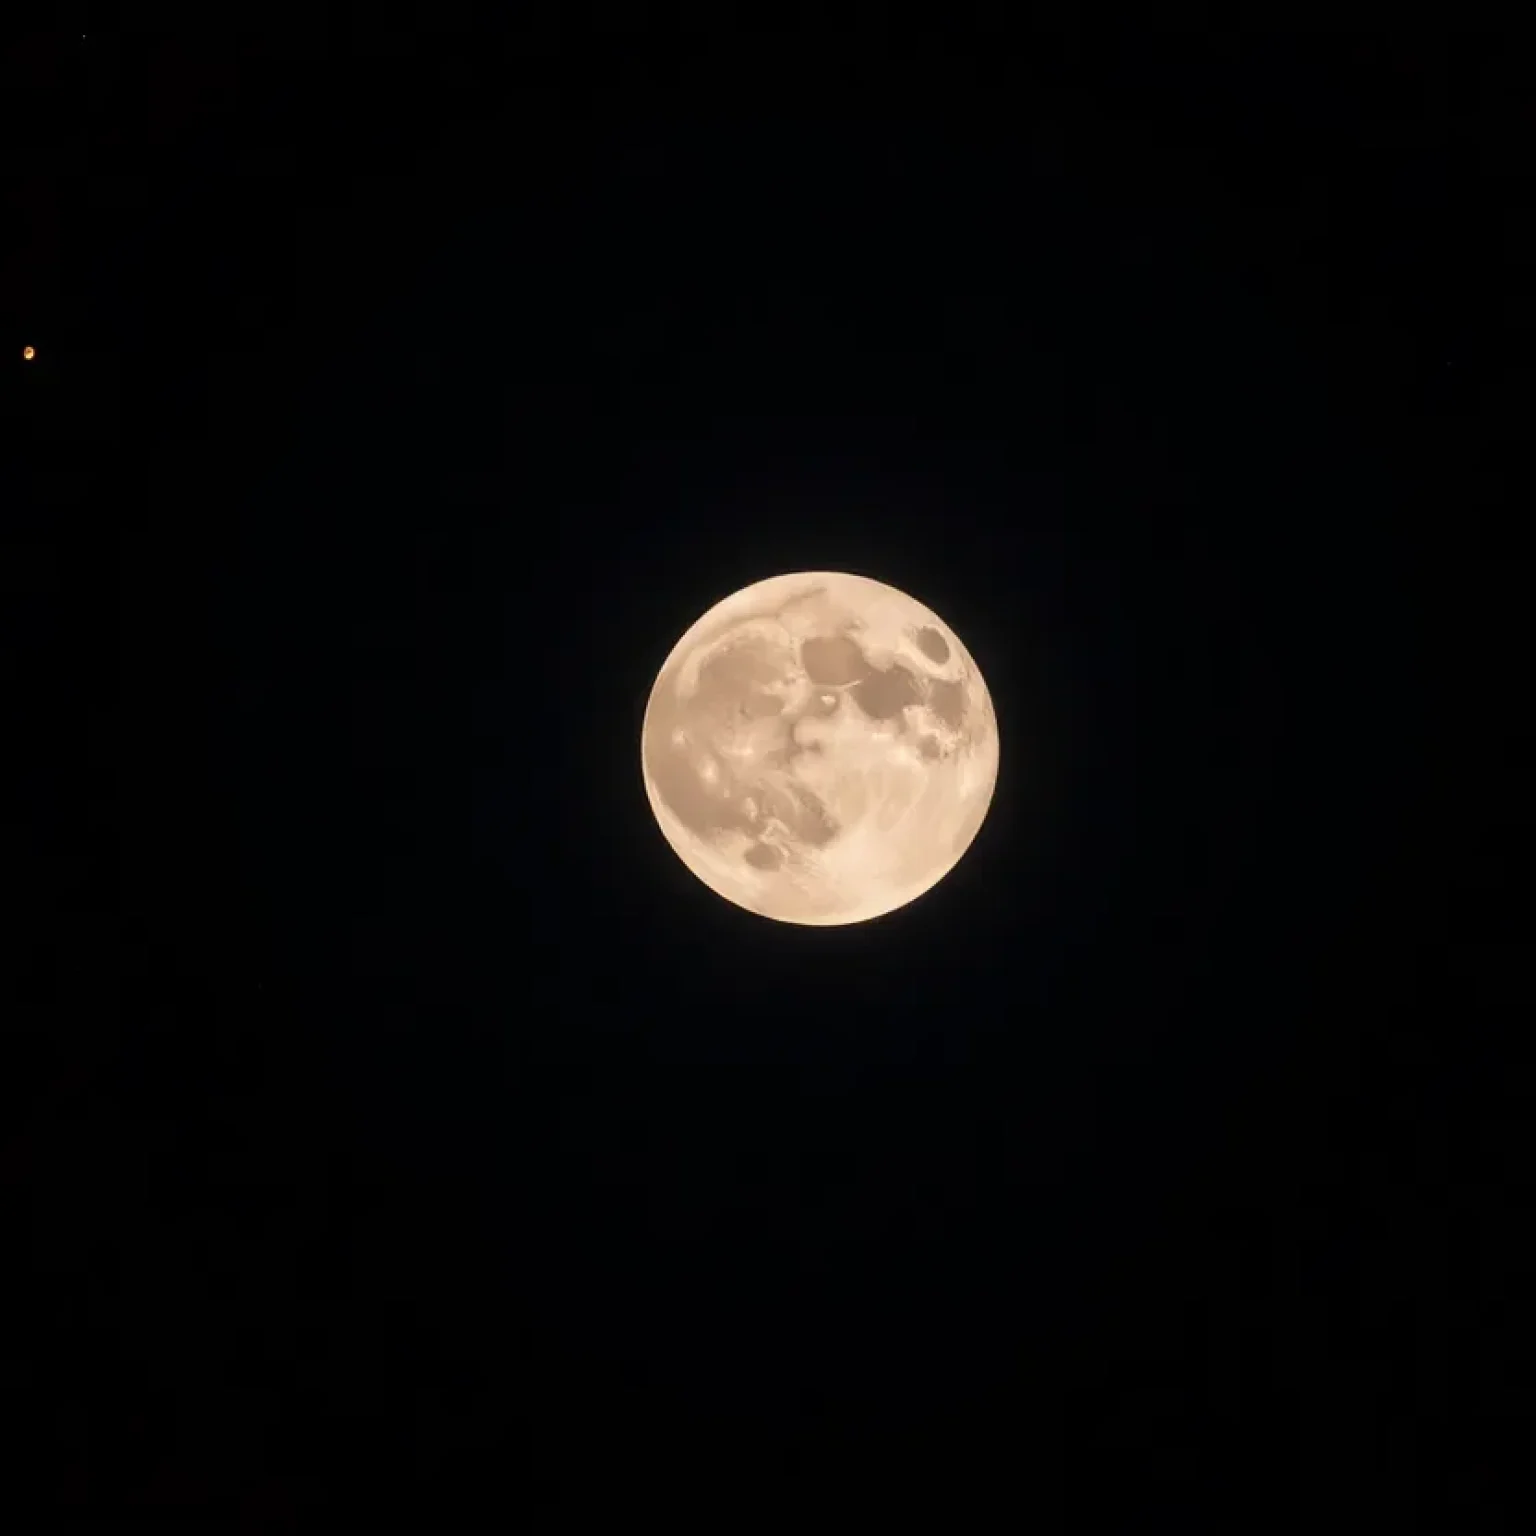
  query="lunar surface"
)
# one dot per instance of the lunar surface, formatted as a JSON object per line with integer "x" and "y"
{"x": 820, "y": 748}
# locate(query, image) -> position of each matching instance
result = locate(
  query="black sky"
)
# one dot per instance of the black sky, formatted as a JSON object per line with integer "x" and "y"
{"x": 397, "y": 1113}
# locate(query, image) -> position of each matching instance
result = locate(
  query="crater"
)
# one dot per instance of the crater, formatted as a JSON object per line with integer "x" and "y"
{"x": 932, "y": 644}
{"x": 947, "y": 700}
{"x": 884, "y": 695}
{"x": 832, "y": 660}
{"x": 763, "y": 856}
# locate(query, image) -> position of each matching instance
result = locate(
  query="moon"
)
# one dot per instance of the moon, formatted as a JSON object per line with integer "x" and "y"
{"x": 820, "y": 748}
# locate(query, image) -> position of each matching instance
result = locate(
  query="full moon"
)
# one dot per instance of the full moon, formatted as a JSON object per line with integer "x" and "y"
{"x": 820, "y": 748}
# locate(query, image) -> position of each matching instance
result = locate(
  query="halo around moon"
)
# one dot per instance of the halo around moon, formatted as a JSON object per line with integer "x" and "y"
{"x": 820, "y": 748}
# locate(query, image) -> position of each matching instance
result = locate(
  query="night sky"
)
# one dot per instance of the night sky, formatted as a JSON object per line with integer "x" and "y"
{"x": 396, "y": 1114}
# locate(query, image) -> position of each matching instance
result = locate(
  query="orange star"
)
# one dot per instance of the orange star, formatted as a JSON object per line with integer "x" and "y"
{"x": 29, "y": 353}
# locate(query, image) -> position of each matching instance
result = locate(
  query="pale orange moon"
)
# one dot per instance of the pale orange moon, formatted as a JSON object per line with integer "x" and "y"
{"x": 820, "y": 748}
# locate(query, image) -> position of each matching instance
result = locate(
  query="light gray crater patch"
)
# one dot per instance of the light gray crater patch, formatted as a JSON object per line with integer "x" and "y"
{"x": 884, "y": 694}
{"x": 932, "y": 644}
{"x": 833, "y": 660}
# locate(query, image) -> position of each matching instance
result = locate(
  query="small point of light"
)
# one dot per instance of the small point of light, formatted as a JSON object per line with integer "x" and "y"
{"x": 29, "y": 353}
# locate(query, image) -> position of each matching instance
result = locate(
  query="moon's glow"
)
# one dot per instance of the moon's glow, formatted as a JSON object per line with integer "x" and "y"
{"x": 820, "y": 748}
